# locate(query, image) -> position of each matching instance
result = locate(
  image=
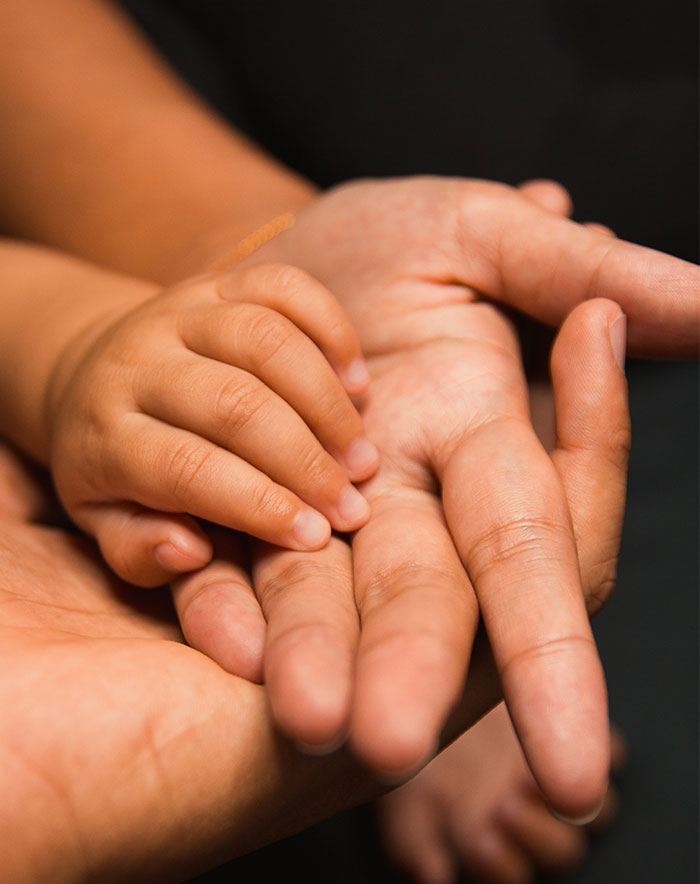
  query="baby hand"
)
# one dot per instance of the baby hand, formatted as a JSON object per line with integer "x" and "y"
{"x": 225, "y": 398}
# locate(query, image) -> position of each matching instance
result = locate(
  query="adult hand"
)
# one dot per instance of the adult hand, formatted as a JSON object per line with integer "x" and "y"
{"x": 450, "y": 417}
{"x": 124, "y": 754}
{"x": 391, "y": 250}
{"x": 410, "y": 260}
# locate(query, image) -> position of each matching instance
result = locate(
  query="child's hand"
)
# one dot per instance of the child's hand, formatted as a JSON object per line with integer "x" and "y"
{"x": 214, "y": 399}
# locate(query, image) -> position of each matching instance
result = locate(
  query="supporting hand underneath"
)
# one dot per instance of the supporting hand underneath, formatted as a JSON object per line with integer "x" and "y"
{"x": 412, "y": 262}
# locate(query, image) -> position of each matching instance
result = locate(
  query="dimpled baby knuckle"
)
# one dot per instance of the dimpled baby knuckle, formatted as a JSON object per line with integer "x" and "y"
{"x": 184, "y": 466}
{"x": 238, "y": 400}
{"x": 268, "y": 334}
{"x": 268, "y": 501}
{"x": 314, "y": 464}
{"x": 286, "y": 279}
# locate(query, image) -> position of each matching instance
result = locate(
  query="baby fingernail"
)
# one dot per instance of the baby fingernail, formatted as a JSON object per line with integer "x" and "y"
{"x": 360, "y": 455}
{"x": 351, "y": 506}
{"x": 356, "y": 375}
{"x": 311, "y": 529}
{"x": 618, "y": 340}
{"x": 182, "y": 554}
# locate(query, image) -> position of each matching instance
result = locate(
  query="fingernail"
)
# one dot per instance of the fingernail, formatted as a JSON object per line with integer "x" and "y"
{"x": 360, "y": 455}
{"x": 356, "y": 375}
{"x": 319, "y": 749}
{"x": 179, "y": 554}
{"x": 579, "y": 820}
{"x": 351, "y": 506}
{"x": 311, "y": 529}
{"x": 402, "y": 775}
{"x": 618, "y": 340}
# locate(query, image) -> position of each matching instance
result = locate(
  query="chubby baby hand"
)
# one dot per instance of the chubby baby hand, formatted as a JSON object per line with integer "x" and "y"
{"x": 226, "y": 398}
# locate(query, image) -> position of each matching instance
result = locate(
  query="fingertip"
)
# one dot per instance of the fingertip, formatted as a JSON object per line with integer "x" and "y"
{"x": 182, "y": 552}
{"x": 353, "y": 510}
{"x": 223, "y": 620}
{"x": 593, "y": 332}
{"x": 548, "y": 195}
{"x": 558, "y": 704}
{"x": 360, "y": 459}
{"x": 396, "y": 756}
{"x": 310, "y": 700}
{"x": 321, "y": 748}
{"x": 355, "y": 376}
{"x": 581, "y": 819}
{"x": 310, "y": 530}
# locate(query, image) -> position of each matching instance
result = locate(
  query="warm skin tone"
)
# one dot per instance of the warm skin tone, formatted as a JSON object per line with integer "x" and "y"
{"x": 166, "y": 764}
{"x": 212, "y": 398}
{"x": 140, "y": 204}
{"x": 477, "y": 809}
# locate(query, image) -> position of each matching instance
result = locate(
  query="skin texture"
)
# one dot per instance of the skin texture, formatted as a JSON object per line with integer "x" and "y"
{"x": 166, "y": 764}
{"x": 214, "y": 398}
{"x": 431, "y": 251}
{"x": 140, "y": 204}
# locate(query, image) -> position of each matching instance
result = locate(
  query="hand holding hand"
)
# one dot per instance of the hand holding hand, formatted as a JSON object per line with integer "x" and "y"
{"x": 412, "y": 261}
{"x": 225, "y": 398}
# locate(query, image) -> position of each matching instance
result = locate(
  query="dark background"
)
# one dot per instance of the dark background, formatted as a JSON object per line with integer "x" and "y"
{"x": 601, "y": 96}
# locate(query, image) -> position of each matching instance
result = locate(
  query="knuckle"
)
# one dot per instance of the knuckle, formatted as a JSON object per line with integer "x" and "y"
{"x": 299, "y": 573}
{"x": 316, "y": 465}
{"x": 268, "y": 503}
{"x": 621, "y": 443}
{"x": 387, "y": 583}
{"x": 558, "y": 646}
{"x": 285, "y": 278}
{"x": 238, "y": 400}
{"x": 339, "y": 416}
{"x": 185, "y": 465}
{"x": 599, "y": 580}
{"x": 268, "y": 333}
{"x": 527, "y": 540}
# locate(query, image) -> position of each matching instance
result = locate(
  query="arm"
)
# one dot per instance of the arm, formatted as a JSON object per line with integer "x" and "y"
{"x": 432, "y": 236}
{"x": 200, "y": 399}
{"x": 107, "y": 154}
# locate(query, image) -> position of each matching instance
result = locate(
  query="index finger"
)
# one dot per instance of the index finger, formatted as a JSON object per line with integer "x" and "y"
{"x": 544, "y": 265}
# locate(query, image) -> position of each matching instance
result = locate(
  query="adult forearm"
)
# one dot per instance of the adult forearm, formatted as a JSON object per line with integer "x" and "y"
{"x": 107, "y": 154}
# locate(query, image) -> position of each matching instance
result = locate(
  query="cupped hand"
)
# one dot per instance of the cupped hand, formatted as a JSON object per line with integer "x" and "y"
{"x": 413, "y": 263}
{"x": 124, "y": 754}
{"x": 469, "y": 513}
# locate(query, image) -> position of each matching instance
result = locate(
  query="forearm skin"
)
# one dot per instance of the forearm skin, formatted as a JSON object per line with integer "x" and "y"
{"x": 107, "y": 154}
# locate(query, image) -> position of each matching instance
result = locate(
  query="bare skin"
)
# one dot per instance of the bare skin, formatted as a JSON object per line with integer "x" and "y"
{"x": 166, "y": 232}
{"x": 215, "y": 398}
{"x": 166, "y": 764}
{"x": 476, "y": 809}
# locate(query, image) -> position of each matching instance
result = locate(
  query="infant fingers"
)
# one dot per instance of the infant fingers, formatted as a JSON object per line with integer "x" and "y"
{"x": 271, "y": 348}
{"x": 218, "y": 611}
{"x": 310, "y": 306}
{"x": 176, "y": 471}
{"x": 236, "y": 411}
{"x": 145, "y": 547}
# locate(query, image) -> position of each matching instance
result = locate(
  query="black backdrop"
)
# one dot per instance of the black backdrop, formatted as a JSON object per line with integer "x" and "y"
{"x": 603, "y": 97}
